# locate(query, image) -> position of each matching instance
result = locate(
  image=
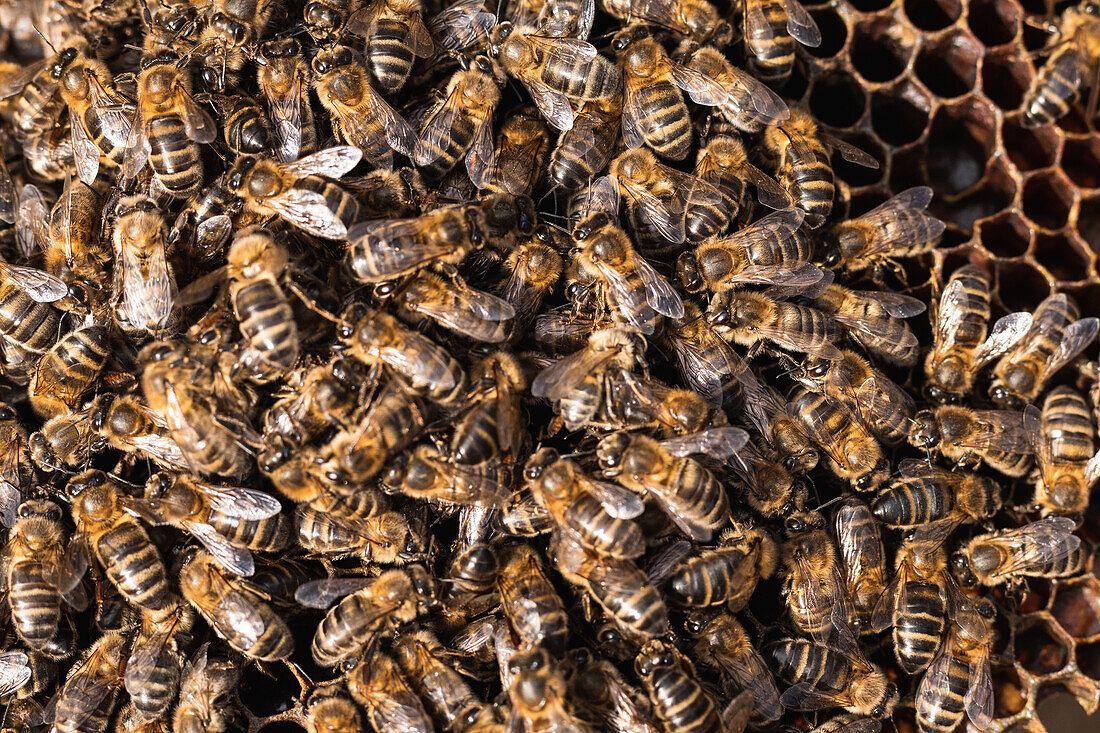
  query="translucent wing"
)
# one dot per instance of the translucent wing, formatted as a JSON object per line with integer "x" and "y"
{"x": 668, "y": 560}
{"x": 1092, "y": 470}
{"x": 879, "y": 398}
{"x": 558, "y": 379}
{"x": 979, "y": 694}
{"x": 196, "y": 122}
{"x": 916, "y": 198}
{"x": 486, "y": 310}
{"x": 618, "y": 502}
{"x": 571, "y": 49}
{"x": 112, "y": 119}
{"x": 1036, "y": 438}
{"x": 395, "y": 242}
{"x": 631, "y": 301}
{"x": 136, "y": 152}
{"x": 235, "y": 617}
{"x": 461, "y": 24}
{"x": 796, "y": 275}
{"x": 896, "y": 304}
{"x": 398, "y": 133}
{"x": 15, "y": 671}
{"x": 804, "y": 342}
{"x": 1037, "y": 544}
{"x": 31, "y": 220}
{"x": 1006, "y": 333}
{"x": 660, "y": 295}
{"x": 147, "y": 288}
{"x": 801, "y": 25}
{"x": 552, "y": 104}
{"x": 1001, "y": 430}
{"x": 161, "y": 448}
{"x": 237, "y": 560}
{"x": 758, "y": 31}
{"x": 481, "y": 158}
{"x": 633, "y": 116}
{"x": 420, "y": 40}
{"x": 1077, "y": 336}
{"x": 701, "y": 88}
{"x": 804, "y": 696}
{"x": 144, "y": 657}
{"x": 249, "y": 504}
{"x": 601, "y": 195}
{"x": 849, "y": 152}
{"x": 667, "y": 217}
{"x": 718, "y": 443}
{"x": 39, "y": 284}
{"x": 436, "y": 132}
{"x": 420, "y": 358}
{"x": 332, "y": 162}
{"x": 768, "y": 192}
{"x": 286, "y": 113}
{"x": 85, "y": 152}
{"x": 308, "y": 210}
{"x": 749, "y": 672}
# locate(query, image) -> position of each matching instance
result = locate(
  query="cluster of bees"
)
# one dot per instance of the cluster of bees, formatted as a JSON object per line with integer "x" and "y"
{"x": 514, "y": 357}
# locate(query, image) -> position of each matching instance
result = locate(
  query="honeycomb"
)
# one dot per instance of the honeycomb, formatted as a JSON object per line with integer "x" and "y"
{"x": 932, "y": 89}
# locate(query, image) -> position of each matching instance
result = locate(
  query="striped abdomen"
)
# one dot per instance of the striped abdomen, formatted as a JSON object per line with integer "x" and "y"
{"x": 68, "y": 370}
{"x": 159, "y": 687}
{"x": 918, "y": 626}
{"x": 37, "y": 108}
{"x": 810, "y": 182}
{"x": 35, "y": 601}
{"x": 1067, "y": 426}
{"x": 133, "y": 564}
{"x": 942, "y": 711}
{"x": 274, "y": 643}
{"x": 798, "y": 660}
{"x": 913, "y": 501}
{"x": 342, "y": 203}
{"x": 579, "y": 404}
{"x": 626, "y": 594}
{"x": 681, "y": 703}
{"x": 267, "y": 321}
{"x": 709, "y": 578}
{"x": 974, "y": 305}
{"x": 390, "y": 57}
{"x": 1056, "y": 87}
{"x": 817, "y": 328}
{"x": 29, "y": 324}
{"x": 584, "y": 150}
{"x": 772, "y": 56}
{"x": 343, "y": 632}
{"x": 693, "y": 492}
{"x": 318, "y": 533}
{"x": 454, "y": 147}
{"x": 266, "y": 535}
{"x": 667, "y": 123}
{"x": 605, "y": 534}
{"x": 173, "y": 156}
{"x": 74, "y": 714}
{"x": 597, "y": 79}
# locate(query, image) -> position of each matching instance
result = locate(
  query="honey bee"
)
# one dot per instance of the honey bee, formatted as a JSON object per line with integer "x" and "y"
{"x": 539, "y": 694}
{"x": 725, "y": 575}
{"x": 1057, "y": 335}
{"x": 594, "y": 514}
{"x": 236, "y": 612}
{"x": 426, "y": 473}
{"x": 555, "y": 71}
{"x": 969, "y": 437}
{"x": 36, "y": 105}
{"x": 771, "y": 29}
{"x": 396, "y": 36}
{"x": 924, "y": 494}
{"x": 586, "y": 148}
{"x": 750, "y": 106}
{"x": 654, "y": 111}
{"x": 455, "y": 305}
{"x": 849, "y": 723}
{"x": 528, "y": 600}
{"x": 327, "y": 20}
{"x": 863, "y": 391}
{"x": 49, "y": 155}
{"x": 722, "y": 643}
{"x": 598, "y": 688}
{"x": 492, "y": 427}
{"x": 522, "y": 147}
{"x": 119, "y": 543}
{"x": 206, "y": 689}
{"x": 801, "y": 152}
{"x": 816, "y": 594}
{"x": 359, "y": 114}
{"x": 29, "y": 320}
{"x": 962, "y": 343}
{"x": 390, "y": 704}
{"x": 448, "y": 698}
{"x": 206, "y": 222}
{"x": 723, "y": 163}
{"x": 705, "y": 361}
{"x": 330, "y": 709}
{"x": 827, "y": 677}
{"x": 1046, "y": 548}
{"x": 688, "y": 493}
{"x": 87, "y": 697}
{"x": 144, "y": 280}
{"x": 873, "y": 319}
{"x": 40, "y": 573}
{"x": 245, "y": 129}
{"x": 1070, "y": 66}
{"x": 461, "y": 125}
{"x": 679, "y": 702}
{"x": 638, "y": 291}
{"x": 283, "y": 77}
{"x": 779, "y": 426}
{"x": 168, "y": 127}
{"x": 339, "y": 527}
{"x": 1062, "y": 438}
{"x": 16, "y": 467}
{"x": 131, "y": 426}
{"x": 394, "y": 420}
{"x": 754, "y": 319}
{"x": 297, "y": 193}
{"x": 387, "y": 249}
{"x": 862, "y": 558}
{"x": 73, "y": 251}
{"x": 65, "y": 441}
{"x": 256, "y": 263}
{"x": 324, "y": 396}
{"x": 851, "y": 452}
{"x": 897, "y": 228}
{"x": 68, "y": 370}
{"x": 152, "y": 675}
{"x": 959, "y": 681}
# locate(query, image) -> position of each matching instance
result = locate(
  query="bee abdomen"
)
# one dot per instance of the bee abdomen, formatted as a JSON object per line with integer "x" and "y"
{"x": 68, "y": 370}
{"x": 919, "y": 627}
{"x": 340, "y": 634}
{"x": 945, "y": 712}
{"x": 173, "y": 156}
{"x": 704, "y": 580}
{"x": 1052, "y": 93}
{"x": 29, "y": 324}
{"x": 667, "y": 123}
{"x": 267, "y": 321}
{"x": 267, "y": 535}
{"x": 35, "y": 603}
{"x": 1068, "y": 425}
{"x": 159, "y": 688}
{"x": 391, "y": 59}
{"x": 459, "y": 141}
{"x": 133, "y": 565}
{"x": 682, "y": 704}
{"x": 642, "y": 611}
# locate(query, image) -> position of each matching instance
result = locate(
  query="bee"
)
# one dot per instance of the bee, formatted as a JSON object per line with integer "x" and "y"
{"x": 827, "y": 677}
{"x": 849, "y": 723}
{"x": 206, "y": 221}
{"x": 969, "y": 437}
{"x": 539, "y": 694}
{"x": 231, "y": 33}
{"x": 864, "y": 392}
{"x": 770, "y": 252}
{"x": 206, "y": 690}
{"x": 754, "y": 319}
{"x": 599, "y": 690}
{"x": 449, "y": 699}
{"x": 801, "y": 152}
{"x": 705, "y": 361}
{"x": 1070, "y": 66}
{"x": 814, "y": 586}
{"x": 522, "y": 147}
{"x": 128, "y": 424}
{"x": 658, "y": 197}
{"x": 73, "y": 251}
{"x": 622, "y": 590}
{"x": 923, "y": 494}
{"x": 245, "y": 128}
{"x": 427, "y": 473}
{"x": 119, "y": 543}
{"x": 493, "y": 426}
{"x": 68, "y": 370}
{"x": 851, "y": 452}
{"x": 771, "y": 28}
{"x": 679, "y": 702}
{"x": 577, "y": 382}
{"x": 256, "y": 262}
{"x": 324, "y": 396}
{"x": 689, "y": 493}
{"x": 1057, "y": 335}
{"x": 283, "y": 78}
{"x": 1062, "y": 438}
{"x": 1046, "y": 548}
{"x": 396, "y": 36}
{"x": 654, "y": 111}
{"x": 750, "y": 106}
{"x": 37, "y": 105}
{"x": 555, "y": 71}
{"x": 897, "y": 228}
{"x": 236, "y": 612}
{"x": 16, "y": 467}
{"x": 458, "y": 307}
{"x": 296, "y": 191}
{"x": 963, "y": 345}
{"x": 49, "y": 155}
{"x": 779, "y": 426}
{"x": 722, "y": 643}
{"x": 168, "y": 127}
{"x": 461, "y": 125}
{"x": 211, "y": 440}
{"x": 873, "y": 319}
{"x": 959, "y": 681}
{"x": 377, "y": 685}
{"x": 40, "y": 573}
{"x": 152, "y": 675}
{"x": 528, "y": 600}
{"x": 65, "y": 441}
{"x": 144, "y": 280}
{"x": 725, "y": 575}
{"x": 638, "y": 291}
{"x": 98, "y": 124}
{"x": 393, "y": 421}
{"x": 327, "y": 20}
{"x": 359, "y": 114}
{"x": 594, "y": 514}
{"x": 29, "y": 320}
{"x": 338, "y": 527}
{"x": 862, "y": 558}
{"x": 87, "y": 696}
{"x": 586, "y": 148}
{"x": 387, "y": 249}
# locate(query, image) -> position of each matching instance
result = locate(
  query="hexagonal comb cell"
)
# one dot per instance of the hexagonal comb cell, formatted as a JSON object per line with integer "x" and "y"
{"x": 1047, "y": 199}
{"x": 1088, "y": 659}
{"x": 959, "y": 145}
{"x": 1039, "y": 650}
{"x": 833, "y": 33}
{"x": 932, "y": 15}
{"x": 1063, "y": 257}
{"x": 949, "y": 68}
{"x": 1088, "y": 223}
{"x": 1029, "y": 148}
{"x": 993, "y": 22}
{"x": 900, "y": 115}
{"x": 837, "y": 99}
{"x": 1081, "y": 161}
{"x": 1020, "y": 286}
{"x": 880, "y": 50}
{"x": 1074, "y": 609}
{"x": 1009, "y": 694}
{"x": 1005, "y": 81}
{"x": 996, "y": 191}
{"x": 858, "y": 175}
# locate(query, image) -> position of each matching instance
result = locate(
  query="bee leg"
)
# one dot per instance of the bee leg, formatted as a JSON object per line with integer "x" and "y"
{"x": 1094, "y": 97}
{"x": 304, "y": 682}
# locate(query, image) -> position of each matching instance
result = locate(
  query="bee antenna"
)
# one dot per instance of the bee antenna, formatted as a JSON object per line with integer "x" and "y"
{"x": 44, "y": 39}
{"x": 834, "y": 500}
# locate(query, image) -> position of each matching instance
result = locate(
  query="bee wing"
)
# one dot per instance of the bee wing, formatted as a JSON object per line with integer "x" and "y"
{"x": 1006, "y": 333}
{"x": 32, "y": 217}
{"x": 15, "y": 671}
{"x": 801, "y": 25}
{"x": 751, "y": 674}
{"x": 618, "y": 502}
{"x": 936, "y": 679}
{"x": 896, "y": 304}
{"x": 766, "y": 102}
{"x": 552, "y": 104}
{"x": 668, "y": 560}
{"x": 85, "y": 152}
{"x": 571, "y": 49}
{"x": 487, "y": 311}
{"x": 112, "y": 120}
{"x": 1076, "y": 337}
{"x": 633, "y": 304}
{"x": 1040, "y": 543}
{"x": 237, "y": 560}
{"x": 249, "y": 504}
{"x": 719, "y": 443}
{"x": 286, "y": 113}
{"x": 331, "y": 162}
{"x": 14, "y": 83}
{"x": 398, "y": 133}
{"x": 877, "y": 328}
{"x": 147, "y": 295}
{"x": 633, "y": 115}
{"x": 556, "y": 380}
{"x": 1092, "y": 469}
{"x": 777, "y": 226}
{"x": 421, "y": 356}
{"x": 674, "y": 508}
{"x": 10, "y": 499}
{"x": 707, "y": 373}
{"x": 1034, "y": 433}
{"x": 849, "y": 152}
{"x": 39, "y": 284}
{"x": 768, "y": 192}
{"x": 804, "y": 696}
{"x": 881, "y": 398}
{"x": 800, "y": 275}
{"x": 197, "y": 123}
{"x": 481, "y": 158}
{"x": 892, "y": 598}
{"x": 515, "y": 166}
{"x": 144, "y": 657}
{"x": 136, "y": 152}
{"x": 701, "y": 88}
{"x": 758, "y": 31}
{"x": 85, "y": 695}
{"x": 161, "y": 448}
{"x": 1004, "y": 432}
{"x": 461, "y": 24}
{"x": 602, "y": 194}
{"x": 803, "y": 342}
{"x": 235, "y": 617}
{"x": 419, "y": 39}
{"x": 308, "y": 210}
{"x": 433, "y": 137}
{"x": 916, "y": 198}
{"x": 323, "y": 593}
{"x": 979, "y": 693}
{"x": 659, "y": 293}
{"x": 666, "y": 217}
{"x": 396, "y": 242}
